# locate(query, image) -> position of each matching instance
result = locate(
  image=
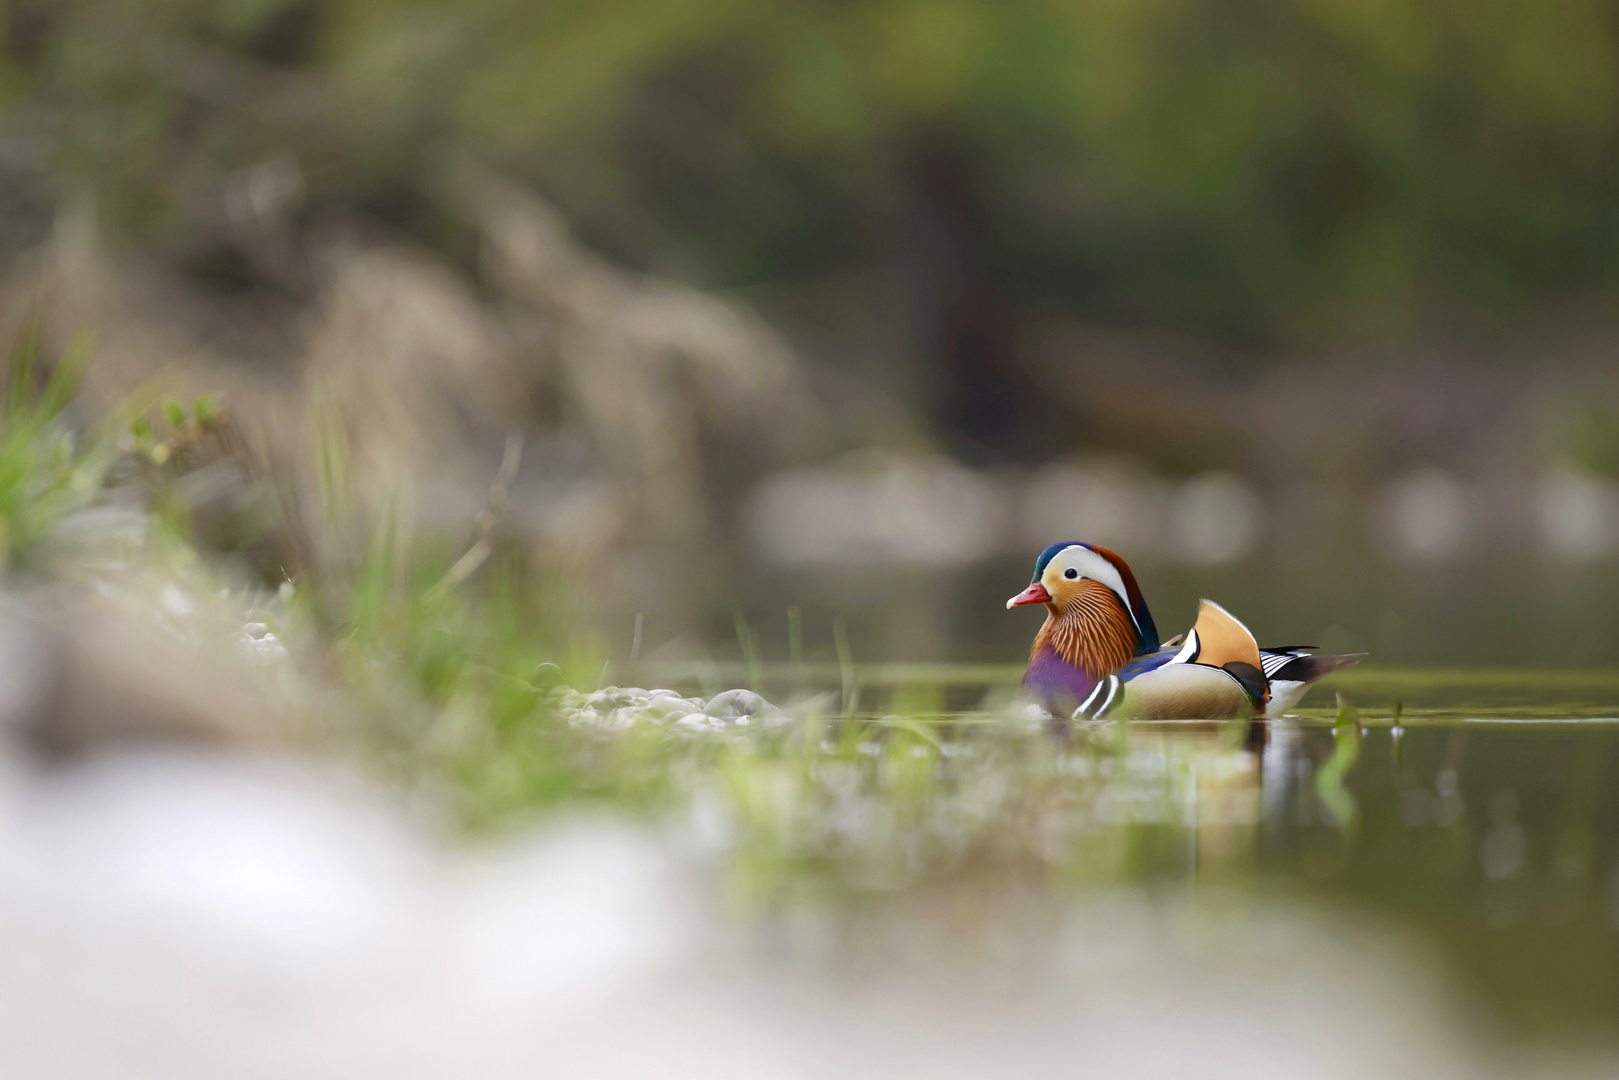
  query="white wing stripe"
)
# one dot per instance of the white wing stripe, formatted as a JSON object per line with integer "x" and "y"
{"x": 1274, "y": 662}
{"x": 1188, "y": 651}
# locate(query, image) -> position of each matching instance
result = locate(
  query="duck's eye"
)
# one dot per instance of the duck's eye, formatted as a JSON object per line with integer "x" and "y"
{"x": 1070, "y": 573}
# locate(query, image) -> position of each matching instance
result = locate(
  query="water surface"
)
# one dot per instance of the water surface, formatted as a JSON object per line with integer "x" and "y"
{"x": 1475, "y": 811}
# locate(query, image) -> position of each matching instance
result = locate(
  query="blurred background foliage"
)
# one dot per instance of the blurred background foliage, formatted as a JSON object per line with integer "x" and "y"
{"x": 1350, "y": 262}
{"x": 1260, "y": 173}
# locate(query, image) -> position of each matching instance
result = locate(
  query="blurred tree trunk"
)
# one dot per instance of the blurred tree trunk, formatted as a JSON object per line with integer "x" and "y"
{"x": 958, "y": 322}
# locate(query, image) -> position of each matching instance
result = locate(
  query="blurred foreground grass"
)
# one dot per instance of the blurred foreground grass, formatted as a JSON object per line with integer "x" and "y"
{"x": 869, "y": 791}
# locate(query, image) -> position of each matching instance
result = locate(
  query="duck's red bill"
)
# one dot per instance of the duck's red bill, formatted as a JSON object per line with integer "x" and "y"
{"x": 1034, "y": 594}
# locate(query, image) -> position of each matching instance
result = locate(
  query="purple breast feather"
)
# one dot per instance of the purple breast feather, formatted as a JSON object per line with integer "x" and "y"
{"x": 1053, "y": 679}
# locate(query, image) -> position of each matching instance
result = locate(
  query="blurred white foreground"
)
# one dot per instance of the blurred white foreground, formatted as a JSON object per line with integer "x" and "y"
{"x": 220, "y": 914}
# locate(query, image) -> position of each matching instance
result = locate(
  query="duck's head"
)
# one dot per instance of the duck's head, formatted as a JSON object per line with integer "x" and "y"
{"x": 1065, "y": 571}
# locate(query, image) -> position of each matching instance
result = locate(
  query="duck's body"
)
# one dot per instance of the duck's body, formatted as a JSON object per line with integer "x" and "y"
{"x": 1098, "y": 653}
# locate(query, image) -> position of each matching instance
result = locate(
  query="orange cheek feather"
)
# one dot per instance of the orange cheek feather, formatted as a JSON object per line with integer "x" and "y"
{"x": 1089, "y": 628}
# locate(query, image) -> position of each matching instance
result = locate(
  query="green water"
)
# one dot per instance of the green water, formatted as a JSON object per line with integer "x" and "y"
{"x": 1477, "y": 810}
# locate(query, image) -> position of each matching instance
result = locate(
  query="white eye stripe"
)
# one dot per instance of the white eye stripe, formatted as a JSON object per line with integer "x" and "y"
{"x": 1089, "y": 564}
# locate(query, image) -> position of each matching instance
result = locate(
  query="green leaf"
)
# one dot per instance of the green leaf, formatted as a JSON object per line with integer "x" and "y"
{"x": 24, "y": 356}
{"x": 65, "y": 379}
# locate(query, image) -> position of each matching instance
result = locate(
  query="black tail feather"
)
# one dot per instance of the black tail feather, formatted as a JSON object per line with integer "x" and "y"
{"x": 1311, "y": 668}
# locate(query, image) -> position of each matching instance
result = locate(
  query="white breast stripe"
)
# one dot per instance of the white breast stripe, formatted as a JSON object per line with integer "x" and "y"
{"x": 1086, "y": 704}
{"x": 1114, "y": 686}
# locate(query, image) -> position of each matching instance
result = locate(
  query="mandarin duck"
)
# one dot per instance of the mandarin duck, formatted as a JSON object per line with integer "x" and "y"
{"x": 1098, "y": 653}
